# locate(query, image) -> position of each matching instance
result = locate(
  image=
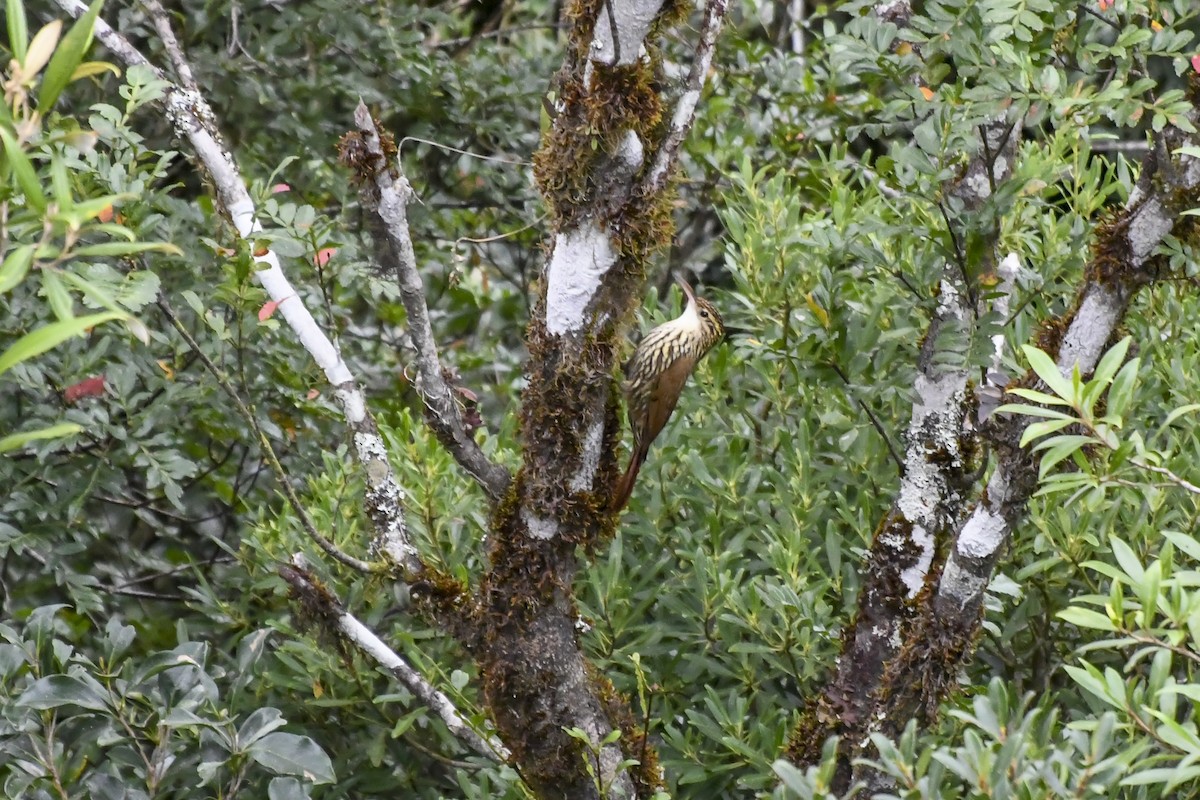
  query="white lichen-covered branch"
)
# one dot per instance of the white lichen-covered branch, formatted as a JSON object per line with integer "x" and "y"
{"x": 193, "y": 120}
{"x": 385, "y": 198}
{"x": 685, "y": 107}
{"x": 319, "y": 601}
{"x": 1130, "y": 243}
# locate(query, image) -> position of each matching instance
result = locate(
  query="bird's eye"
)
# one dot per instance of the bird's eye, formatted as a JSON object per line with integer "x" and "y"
{"x": 704, "y": 313}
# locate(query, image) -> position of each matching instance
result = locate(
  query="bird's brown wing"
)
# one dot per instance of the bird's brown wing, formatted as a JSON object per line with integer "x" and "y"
{"x": 663, "y": 398}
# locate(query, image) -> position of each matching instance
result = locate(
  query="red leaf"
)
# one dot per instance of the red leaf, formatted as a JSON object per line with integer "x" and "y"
{"x": 267, "y": 310}
{"x": 280, "y": 188}
{"x": 106, "y": 214}
{"x": 1105, "y": 5}
{"x": 323, "y": 255}
{"x": 91, "y": 387}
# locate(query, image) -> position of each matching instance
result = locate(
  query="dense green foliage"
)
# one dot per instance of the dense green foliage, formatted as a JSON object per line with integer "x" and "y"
{"x": 150, "y": 650}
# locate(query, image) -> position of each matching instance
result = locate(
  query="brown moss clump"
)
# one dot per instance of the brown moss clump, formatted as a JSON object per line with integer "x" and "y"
{"x": 446, "y": 600}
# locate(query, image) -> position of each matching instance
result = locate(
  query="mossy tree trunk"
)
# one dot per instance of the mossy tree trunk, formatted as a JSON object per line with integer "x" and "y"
{"x": 602, "y": 169}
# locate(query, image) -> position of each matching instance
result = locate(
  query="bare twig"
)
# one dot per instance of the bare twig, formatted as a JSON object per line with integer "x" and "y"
{"x": 268, "y": 450}
{"x": 685, "y": 107}
{"x": 193, "y": 119}
{"x": 385, "y": 199}
{"x": 322, "y": 602}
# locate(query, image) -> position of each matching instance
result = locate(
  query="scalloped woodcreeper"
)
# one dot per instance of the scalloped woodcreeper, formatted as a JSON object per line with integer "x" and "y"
{"x": 656, "y": 374}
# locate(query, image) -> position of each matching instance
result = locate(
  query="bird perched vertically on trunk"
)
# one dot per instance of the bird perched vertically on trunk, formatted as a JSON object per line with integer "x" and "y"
{"x": 656, "y": 374}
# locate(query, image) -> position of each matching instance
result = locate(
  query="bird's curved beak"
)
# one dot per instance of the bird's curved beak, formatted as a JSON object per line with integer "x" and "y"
{"x": 687, "y": 290}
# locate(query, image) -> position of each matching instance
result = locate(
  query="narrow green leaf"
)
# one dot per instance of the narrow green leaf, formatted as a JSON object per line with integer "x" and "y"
{"x": 126, "y": 248}
{"x": 60, "y": 183}
{"x": 1039, "y": 397}
{"x": 92, "y": 208}
{"x": 1040, "y": 429}
{"x": 23, "y": 171}
{"x": 1086, "y": 618}
{"x": 1127, "y": 560}
{"x": 1179, "y": 412}
{"x": 61, "y": 302}
{"x": 67, "y": 57}
{"x": 89, "y": 68}
{"x": 1033, "y": 411}
{"x": 1121, "y": 390}
{"x": 18, "y": 29}
{"x": 1054, "y": 455}
{"x": 16, "y": 267}
{"x": 49, "y": 336}
{"x": 1047, "y": 370}
{"x": 15, "y": 440}
{"x": 1111, "y": 362}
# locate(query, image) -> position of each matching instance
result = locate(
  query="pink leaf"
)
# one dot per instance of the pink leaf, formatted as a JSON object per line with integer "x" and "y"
{"x": 267, "y": 310}
{"x": 1196, "y": 63}
{"x": 323, "y": 255}
{"x": 280, "y": 188}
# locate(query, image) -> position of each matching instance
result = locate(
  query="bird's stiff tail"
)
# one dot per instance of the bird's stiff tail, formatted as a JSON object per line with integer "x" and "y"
{"x": 624, "y": 487}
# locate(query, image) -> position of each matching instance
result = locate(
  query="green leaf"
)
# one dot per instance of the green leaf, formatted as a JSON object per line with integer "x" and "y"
{"x": 15, "y": 440}
{"x": 287, "y": 789}
{"x": 18, "y": 29}
{"x": 1047, "y": 370}
{"x": 15, "y": 267}
{"x": 1179, "y": 412}
{"x": 1127, "y": 560}
{"x": 1086, "y": 618}
{"x": 55, "y": 691}
{"x": 1039, "y": 397}
{"x": 89, "y": 68}
{"x": 23, "y": 171}
{"x": 61, "y": 302}
{"x": 49, "y": 336}
{"x": 1034, "y": 411}
{"x": 1111, "y": 361}
{"x": 289, "y": 754}
{"x": 125, "y": 249}
{"x": 1039, "y": 429}
{"x": 1121, "y": 390}
{"x": 67, "y": 57}
{"x": 261, "y": 722}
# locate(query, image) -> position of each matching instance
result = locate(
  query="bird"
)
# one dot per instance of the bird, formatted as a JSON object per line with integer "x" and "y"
{"x": 656, "y": 374}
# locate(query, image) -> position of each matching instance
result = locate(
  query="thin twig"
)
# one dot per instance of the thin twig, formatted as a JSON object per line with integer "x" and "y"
{"x": 268, "y": 450}
{"x": 875, "y": 421}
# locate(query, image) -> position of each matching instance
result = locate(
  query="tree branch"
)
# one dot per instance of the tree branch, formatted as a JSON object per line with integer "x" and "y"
{"x": 322, "y": 604}
{"x": 193, "y": 120}
{"x": 384, "y": 197}
{"x": 685, "y": 106}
